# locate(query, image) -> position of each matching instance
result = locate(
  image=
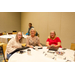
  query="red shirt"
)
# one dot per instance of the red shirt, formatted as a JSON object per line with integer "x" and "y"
{"x": 55, "y": 41}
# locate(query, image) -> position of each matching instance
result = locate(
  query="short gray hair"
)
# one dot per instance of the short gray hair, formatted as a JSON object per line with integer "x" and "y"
{"x": 32, "y": 29}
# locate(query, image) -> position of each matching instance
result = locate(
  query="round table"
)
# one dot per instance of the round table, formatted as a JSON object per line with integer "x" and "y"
{"x": 5, "y": 38}
{"x": 41, "y": 55}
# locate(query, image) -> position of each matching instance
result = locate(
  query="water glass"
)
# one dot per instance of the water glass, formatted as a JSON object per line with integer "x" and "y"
{"x": 36, "y": 47}
{"x": 29, "y": 52}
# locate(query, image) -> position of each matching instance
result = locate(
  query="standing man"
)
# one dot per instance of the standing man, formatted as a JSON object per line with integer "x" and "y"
{"x": 30, "y": 26}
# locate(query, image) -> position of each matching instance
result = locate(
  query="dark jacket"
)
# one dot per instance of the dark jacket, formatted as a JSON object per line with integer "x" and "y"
{"x": 29, "y": 31}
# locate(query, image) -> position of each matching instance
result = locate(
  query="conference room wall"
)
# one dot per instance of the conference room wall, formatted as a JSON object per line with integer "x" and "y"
{"x": 36, "y": 19}
{"x": 10, "y": 21}
{"x": 67, "y": 28}
{"x": 44, "y": 22}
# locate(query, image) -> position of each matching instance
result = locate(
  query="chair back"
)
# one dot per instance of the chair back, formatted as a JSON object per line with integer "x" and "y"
{"x": 1, "y": 34}
{"x": 14, "y": 32}
{"x": 72, "y": 46}
{"x": 4, "y": 49}
{"x": 10, "y": 33}
{"x": 38, "y": 35}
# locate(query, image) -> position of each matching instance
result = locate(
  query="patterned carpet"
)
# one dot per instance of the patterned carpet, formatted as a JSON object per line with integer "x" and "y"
{"x": 1, "y": 57}
{"x": 1, "y": 54}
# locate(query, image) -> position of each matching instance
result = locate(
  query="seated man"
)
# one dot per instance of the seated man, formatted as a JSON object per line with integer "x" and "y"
{"x": 30, "y": 26}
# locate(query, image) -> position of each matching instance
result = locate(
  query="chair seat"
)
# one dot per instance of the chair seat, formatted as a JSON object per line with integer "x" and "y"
{"x": 1, "y": 44}
{"x": 14, "y": 33}
{"x": 24, "y": 44}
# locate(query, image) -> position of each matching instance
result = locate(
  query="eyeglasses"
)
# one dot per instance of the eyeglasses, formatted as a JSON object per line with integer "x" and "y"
{"x": 19, "y": 35}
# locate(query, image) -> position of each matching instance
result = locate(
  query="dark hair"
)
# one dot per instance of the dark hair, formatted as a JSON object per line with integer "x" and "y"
{"x": 30, "y": 23}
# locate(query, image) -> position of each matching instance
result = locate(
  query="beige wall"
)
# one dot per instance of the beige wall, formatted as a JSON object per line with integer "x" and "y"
{"x": 10, "y": 21}
{"x": 62, "y": 22}
{"x": 68, "y": 28}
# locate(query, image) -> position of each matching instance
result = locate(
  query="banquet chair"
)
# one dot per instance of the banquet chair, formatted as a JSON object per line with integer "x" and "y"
{"x": 23, "y": 42}
{"x": 38, "y": 35}
{"x": 10, "y": 33}
{"x": 4, "y": 33}
{"x": 1, "y": 34}
{"x": 9, "y": 40}
{"x": 14, "y": 32}
{"x": 4, "y": 50}
{"x": 72, "y": 46}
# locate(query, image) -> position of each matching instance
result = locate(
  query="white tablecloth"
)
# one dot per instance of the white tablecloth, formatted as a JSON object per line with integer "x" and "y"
{"x": 4, "y": 38}
{"x": 39, "y": 56}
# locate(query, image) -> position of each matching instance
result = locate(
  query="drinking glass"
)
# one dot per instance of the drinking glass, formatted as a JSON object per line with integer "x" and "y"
{"x": 29, "y": 52}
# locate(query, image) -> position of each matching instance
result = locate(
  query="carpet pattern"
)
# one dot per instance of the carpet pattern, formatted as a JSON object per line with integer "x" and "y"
{"x": 1, "y": 54}
{"x": 1, "y": 57}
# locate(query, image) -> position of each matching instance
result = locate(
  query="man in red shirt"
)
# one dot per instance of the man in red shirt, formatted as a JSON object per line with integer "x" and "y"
{"x": 53, "y": 41}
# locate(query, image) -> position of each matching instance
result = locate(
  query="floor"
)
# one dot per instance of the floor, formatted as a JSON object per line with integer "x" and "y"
{"x": 1, "y": 54}
{"x": 1, "y": 57}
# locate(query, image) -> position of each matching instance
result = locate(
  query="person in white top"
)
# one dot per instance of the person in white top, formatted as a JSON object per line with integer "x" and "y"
{"x": 13, "y": 44}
